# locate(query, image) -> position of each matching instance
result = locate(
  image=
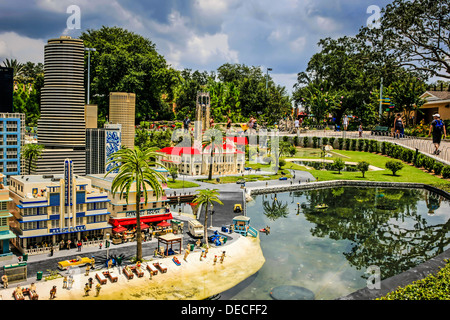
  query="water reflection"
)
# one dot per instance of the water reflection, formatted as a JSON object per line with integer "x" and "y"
{"x": 329, "y": 250}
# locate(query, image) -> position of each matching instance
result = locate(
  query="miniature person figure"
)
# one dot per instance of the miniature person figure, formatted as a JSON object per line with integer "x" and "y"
{"x": 70, "y": 281}
{"x": 109, "y": 263}
{"x": 91, "y": 281}
{"x": 221, "y": 258}
{"x": 33, "y": 289}
{"x": 206, "y": 251}
{"x": 100, "y": 245}
{"x": 155, "y": 253}
{"x": 92, "y": 262}
{"x": 198, "y": 243}
{"x": 201, "y": 255}
{"x": 19, "y": 292}
{"x": 186, "y": 253}
{"x": 65, "y": 282}
{"x": 5, "y": 281}
{"x": 88, "y": 267}
{"x": 97, "y": 288}
{"x": 87, "y": 288}
{"x": 215, "y": 259}
{"x": 53, "y": 293}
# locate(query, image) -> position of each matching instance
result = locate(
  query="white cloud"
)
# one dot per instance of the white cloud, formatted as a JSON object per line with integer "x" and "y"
{"x": 14, "y": 46}
{"x": 298, "y": 45}
{"x": 205, "y": 49}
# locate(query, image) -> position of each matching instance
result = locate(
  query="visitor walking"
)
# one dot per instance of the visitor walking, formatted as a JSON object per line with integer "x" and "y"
{"x": 360, "y": 129}
{"x": 398, "y": 126}
{"x": 437, "y": 128}
{"x": 228, "y": 124}
{"x": 345, "y": 122}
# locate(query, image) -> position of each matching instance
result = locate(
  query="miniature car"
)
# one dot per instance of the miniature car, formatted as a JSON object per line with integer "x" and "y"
{"x": 77, "y": 262}
{"x": 237, "y": 208}
{"x": 282, "y": 178}
{"x": 247, "y": 168}
{"x": 240, "y": 181}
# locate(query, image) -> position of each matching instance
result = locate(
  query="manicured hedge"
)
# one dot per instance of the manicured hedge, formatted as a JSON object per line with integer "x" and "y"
{"x": 433, "y": 287}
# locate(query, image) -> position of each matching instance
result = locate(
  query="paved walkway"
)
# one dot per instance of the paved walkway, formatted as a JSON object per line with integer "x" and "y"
{"x": 424, "y": 145}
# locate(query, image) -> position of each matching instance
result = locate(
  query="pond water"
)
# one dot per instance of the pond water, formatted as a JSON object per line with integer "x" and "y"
{"x": 329, "y": 251}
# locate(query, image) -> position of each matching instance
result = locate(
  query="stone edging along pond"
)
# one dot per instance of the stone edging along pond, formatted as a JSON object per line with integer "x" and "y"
{"x": 405, "y": 278}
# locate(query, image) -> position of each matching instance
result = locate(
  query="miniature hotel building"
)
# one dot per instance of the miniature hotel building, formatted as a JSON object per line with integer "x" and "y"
{"x": 5, "y": 233}
{"x": 123, "y": 214}
{"x": 52, "y": 209}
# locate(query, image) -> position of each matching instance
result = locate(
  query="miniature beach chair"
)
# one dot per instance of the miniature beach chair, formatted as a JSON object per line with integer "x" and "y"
{"x": 128, "y": 273}
{"x": 161, "y": 267}
{"x": 111, "y": 276}
{"x": 138, "y": 271}
{"x": 152, "y": 269}
{"x": 101, "y": 277}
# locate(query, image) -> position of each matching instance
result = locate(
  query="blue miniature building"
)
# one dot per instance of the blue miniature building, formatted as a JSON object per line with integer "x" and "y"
{"x": 242, "y": 226}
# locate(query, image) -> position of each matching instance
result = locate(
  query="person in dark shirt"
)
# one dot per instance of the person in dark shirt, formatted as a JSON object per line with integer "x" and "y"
{"x": 437, "y": 127}
{"x": 398, "y": 126}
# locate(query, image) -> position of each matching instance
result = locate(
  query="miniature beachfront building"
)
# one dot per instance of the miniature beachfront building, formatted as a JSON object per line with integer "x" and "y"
{"x": 5, "y": 232}
{"x": 122, "y": 214}
{"x": 53, "y": 209}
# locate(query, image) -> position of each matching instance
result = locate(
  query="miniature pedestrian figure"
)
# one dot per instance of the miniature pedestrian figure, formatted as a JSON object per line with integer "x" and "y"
{"x": 155, "y": 253}
{"x": 206, "y": 251}
{"x": 97, "y": 288}
{"x": 109, "y": 263}
{"x": 71, "y": 280}
{"x": 215, "y": 260}
{"x": 198, "y": 243}
{"x": 221, "y": 258}
{"x": 87, "y": 288}
{"x": 88, "y": 267}
{"x": 79, "y": 245}
{"x": 186, "y": 253}
{"x": 51, "y": 251}
{"x": 90, "y": 281}
{"x": 68, "y": 244}
{"x": 100, "y": 245}
{"x": 201, "y": 254}
{"x": 5, "y": 281}
{"x": 53, "y": 293}
{"x": 65, "y": 282}
{"x": 92, "y": 262}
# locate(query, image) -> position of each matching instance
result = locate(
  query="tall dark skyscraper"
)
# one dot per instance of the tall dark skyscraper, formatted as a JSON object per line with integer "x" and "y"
{"x": 62, "y": 128}
{"x": 6, "y": 89}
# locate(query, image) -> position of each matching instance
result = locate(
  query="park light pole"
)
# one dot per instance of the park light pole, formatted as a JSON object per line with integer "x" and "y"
{"x": 89, "y": 71}
{"x": 267, "y": 78}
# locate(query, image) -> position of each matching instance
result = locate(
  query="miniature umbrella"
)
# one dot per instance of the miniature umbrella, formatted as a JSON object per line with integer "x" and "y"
{"x": 163, "y": 224}
{"x": 144, "y": 226}
{"x": 119, "y": 229}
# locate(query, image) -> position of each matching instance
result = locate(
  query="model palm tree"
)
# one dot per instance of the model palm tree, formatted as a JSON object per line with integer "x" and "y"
{"x": 17, "y": 67}
{"x": 213, "y": 139}
{"x": 136, "y": 168}
{"x": 206, "y": 197}
{"x": 31, "y": 152}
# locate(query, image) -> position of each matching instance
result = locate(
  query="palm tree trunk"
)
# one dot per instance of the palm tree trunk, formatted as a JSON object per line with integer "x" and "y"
{"x": 205, "y": 227}
{"x": 211, "y": 164}
{"x": 138, "y": 224}
{"x": 29, "y": 165}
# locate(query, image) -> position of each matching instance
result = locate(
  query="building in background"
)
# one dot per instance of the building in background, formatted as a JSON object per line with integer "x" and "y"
{"x": 6, "y": 89}
{"x": 90, "y": 115}
{"x": 50, "y": 210}
{"x": 62, "y": 127}
{"x": 122, "y": 111}
{"x": 100, "y": 144}
{"x": 12, "y": 139}
{"x": 5, "y": 233}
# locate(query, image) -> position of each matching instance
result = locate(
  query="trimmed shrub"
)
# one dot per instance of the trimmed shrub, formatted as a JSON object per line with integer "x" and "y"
{"x": 438, "y": 168}
{"x": 418, "y": 162}
{"x": 341, "y": 143}
{"x": 296, "y": 142}
{"x": 305, "y": 142}
{"x": 394, "y": 166}
{"x": 383, "y": 147}
{"x": 314, "y": 139}
{"x": 332, "y": 139}
{"x": 446, "y": 172}
{"x": 347, "y": 144}
{"x": 429, "y": 163}
{"x": 354, "y": 141}
{"x": 360, "y": 145}
{"x": 324, "y": 141}
{"x": 366, "y": 145}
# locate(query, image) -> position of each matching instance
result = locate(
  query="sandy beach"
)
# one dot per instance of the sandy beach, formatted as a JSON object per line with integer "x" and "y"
{"x": 192, "y": 280}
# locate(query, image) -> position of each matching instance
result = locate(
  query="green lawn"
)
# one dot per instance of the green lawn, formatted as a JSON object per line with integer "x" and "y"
{"x": 408, "y": 173}
{"x": 178, "y": 184}
{"x": 247, "y": 178}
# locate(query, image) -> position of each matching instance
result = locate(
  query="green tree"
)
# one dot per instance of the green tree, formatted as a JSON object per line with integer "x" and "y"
{"x": 338, "y": 164}
{"x": 16, "y": 66}
{"x": 31, "y": 152}
{"x": 394, "y": 166}
{"x": 206, "y": 197}
{"x": 363, "y": 166}
{"x": 173, "y": 173}
{"x": 127, "y": 62}
{"x": 136, "y": 171}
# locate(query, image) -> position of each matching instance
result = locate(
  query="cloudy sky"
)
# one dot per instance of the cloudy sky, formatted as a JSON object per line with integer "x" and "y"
{"x": 195, "y": 34}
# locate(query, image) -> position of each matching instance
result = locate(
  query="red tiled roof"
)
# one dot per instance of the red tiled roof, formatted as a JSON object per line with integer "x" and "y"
{"x": 179, "y": 150}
